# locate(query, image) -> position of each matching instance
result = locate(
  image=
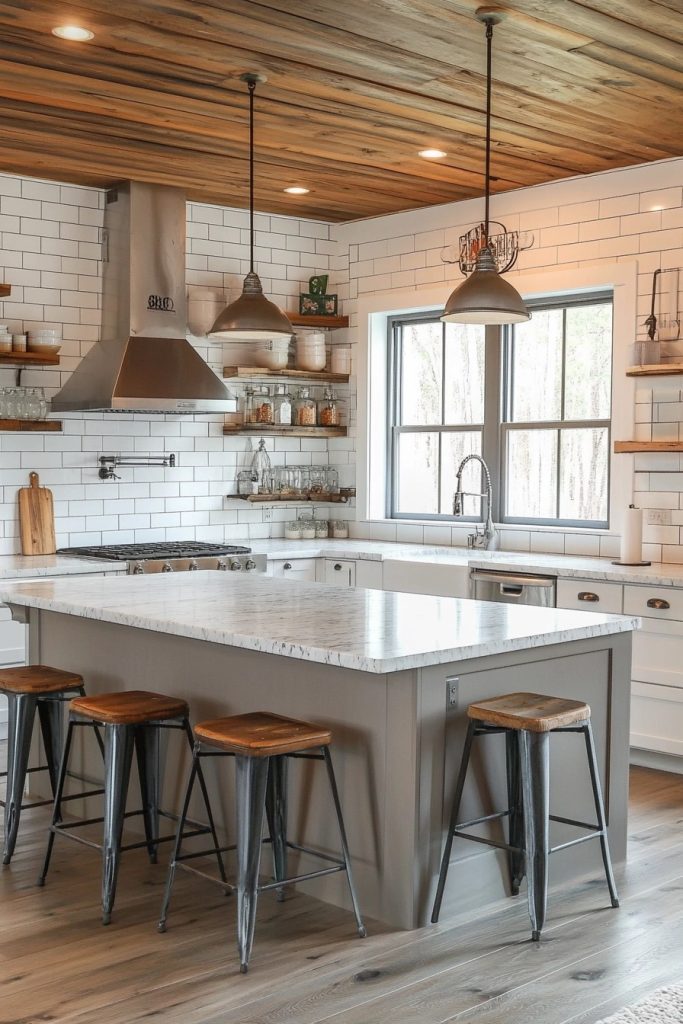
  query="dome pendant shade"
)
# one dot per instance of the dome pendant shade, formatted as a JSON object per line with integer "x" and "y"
{"x": 251, "y": 317}
{"x": 485, "y": 297}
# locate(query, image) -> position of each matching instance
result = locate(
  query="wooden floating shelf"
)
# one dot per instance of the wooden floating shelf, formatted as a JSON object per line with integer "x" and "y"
{"x": 50, "y": 426}
{"x": 262, "y": 373}
{"x": 28, "y": 359}
{"x": 268, "y": 428}
{"x": 621, "y": 447}
{"x": 655, "y": 370}
{"x": 329, "y": 323}
{"x": 321, "y": 498}
{"x": 5, "y": 290}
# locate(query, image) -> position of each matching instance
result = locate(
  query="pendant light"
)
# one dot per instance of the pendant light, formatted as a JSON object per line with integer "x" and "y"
{"x": 251, "y": 317}
{"x": 485, "y": 297}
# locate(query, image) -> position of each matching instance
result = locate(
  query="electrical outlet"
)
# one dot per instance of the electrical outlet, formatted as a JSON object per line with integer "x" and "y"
{"x": 452, "y": 686}
{"x": 658, "y": 517}
{"x": 267, "y": 515}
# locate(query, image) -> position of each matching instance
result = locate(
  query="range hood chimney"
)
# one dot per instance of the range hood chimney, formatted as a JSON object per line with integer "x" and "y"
{"x": 144, "y": 362}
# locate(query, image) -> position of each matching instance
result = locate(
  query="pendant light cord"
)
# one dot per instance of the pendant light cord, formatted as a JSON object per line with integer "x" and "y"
{"x": 252, "y": 89}
{"x": 487, "y": 172}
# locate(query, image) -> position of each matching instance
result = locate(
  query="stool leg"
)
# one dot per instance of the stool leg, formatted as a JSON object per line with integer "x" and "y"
{"x": 161, "y": 926}
{"x": 147, "y": 751}
{"x": 205, "y": 796}
{"x": 600, "y": 811}
{"x": 22, "y": 710}
{"x": 51, "y": 715}
{"x": 516, "y": 819}
{"x": 251, "y": 778}
{"x": 344, "y": 843}
{"x": 57, "y": 809}
{"x": 276, "y": 811}
{"x": 535, "y": 751}
{"x": 455, "y": 808}
{"x": 118, "y": 747}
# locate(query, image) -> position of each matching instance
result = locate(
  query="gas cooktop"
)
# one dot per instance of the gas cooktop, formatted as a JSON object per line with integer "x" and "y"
{"x": 160, "y": 549}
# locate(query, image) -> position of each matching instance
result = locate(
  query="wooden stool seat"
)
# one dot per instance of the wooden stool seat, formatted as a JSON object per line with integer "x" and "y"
{"x": 260, "y": 734}
{"x": 37, "y": 679}
{"x": 531, "y": 712}
{"x": 131, "y": 707}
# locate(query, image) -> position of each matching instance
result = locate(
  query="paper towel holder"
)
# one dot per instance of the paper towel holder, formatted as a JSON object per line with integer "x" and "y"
{"x": 619, "y": 561}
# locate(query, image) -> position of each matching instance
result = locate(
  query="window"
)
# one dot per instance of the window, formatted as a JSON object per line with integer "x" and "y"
{"x": 533, "y": 399}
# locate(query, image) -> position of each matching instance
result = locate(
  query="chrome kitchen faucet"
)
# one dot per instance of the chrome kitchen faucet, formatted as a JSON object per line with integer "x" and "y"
{"x": 486, "y": 536}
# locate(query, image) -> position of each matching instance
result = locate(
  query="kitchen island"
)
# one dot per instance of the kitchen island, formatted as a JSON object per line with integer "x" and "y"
{"x": 391, "y": 674}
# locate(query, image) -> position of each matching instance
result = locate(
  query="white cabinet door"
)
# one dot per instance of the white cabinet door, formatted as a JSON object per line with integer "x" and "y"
{"x": 12, "y": 639}
{"x": 589, "y": 595}
{"x": 340, "y": 572}
{"x": 292, "y": 568}
{"x": 438, "y": 578}
{"x": 369, "y": 574}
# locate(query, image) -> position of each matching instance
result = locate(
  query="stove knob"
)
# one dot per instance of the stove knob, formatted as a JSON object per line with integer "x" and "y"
{"x": 250, "y": 564}
{"x": 193, "y": 565}
{"x": 137, "y": 569}
{"x": 167, "y": 567}
{"x": 235, "y": 565}
{"x": 221, "y": 564}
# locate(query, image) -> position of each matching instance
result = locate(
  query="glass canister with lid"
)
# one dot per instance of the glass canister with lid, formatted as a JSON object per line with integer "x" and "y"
{"x": 282, "y": 406}
{"x": 329, "y": 412}
{"x": 304, "y": 409}
{"x": 262, "y": 405}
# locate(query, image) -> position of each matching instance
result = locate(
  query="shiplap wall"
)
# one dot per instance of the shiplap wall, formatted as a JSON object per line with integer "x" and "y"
{"x": 633, "y": 215}
{"x": 50, "y": 253}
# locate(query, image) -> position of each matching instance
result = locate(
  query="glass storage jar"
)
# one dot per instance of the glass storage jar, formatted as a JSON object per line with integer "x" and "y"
{"x": 263, "y": 405}
{"x": 293, "y": 530}
{"x": 282, "y": 402}
{"x": 331, "y": 480}
{"x": 247, "y": 482}
{"x": 304, "y": 409}
{"x": 317, "y": 479}
{"x": 329, "y": 414}
{"x": 321, "y": 529}
{"x": 339, "y": 529}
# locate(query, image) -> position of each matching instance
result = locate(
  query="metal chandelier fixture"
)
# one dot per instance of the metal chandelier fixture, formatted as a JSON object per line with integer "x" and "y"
{"x": 251, "y": 317}
{"x": 485, "y": 297}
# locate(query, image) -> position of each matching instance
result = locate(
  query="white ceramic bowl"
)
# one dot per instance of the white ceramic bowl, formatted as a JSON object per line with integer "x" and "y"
{"x": 273, "y": 354}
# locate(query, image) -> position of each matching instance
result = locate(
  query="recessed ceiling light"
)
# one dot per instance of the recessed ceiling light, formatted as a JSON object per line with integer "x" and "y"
{"x": 297, "y": 190}
{"x": 432, "y": 154}
{"x": 74, "y": 33}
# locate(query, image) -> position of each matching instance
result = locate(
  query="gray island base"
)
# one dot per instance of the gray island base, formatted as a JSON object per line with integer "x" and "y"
{"x": 391, "y": 674}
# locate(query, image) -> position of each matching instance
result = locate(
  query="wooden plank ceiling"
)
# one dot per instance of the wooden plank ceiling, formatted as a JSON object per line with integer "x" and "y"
{"x": 354, "y": 90}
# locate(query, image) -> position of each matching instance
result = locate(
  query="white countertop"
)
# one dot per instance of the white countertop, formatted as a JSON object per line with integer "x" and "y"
{"x": 666, "y": 574}
{"x": 367, "y": 630}
{"x": 17, "y": 567}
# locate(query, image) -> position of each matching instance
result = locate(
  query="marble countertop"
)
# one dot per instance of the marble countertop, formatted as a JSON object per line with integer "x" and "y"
{"x": 17, "y": 567}
{"x": 367, "y": 630}
{"x": 668, "y": 574}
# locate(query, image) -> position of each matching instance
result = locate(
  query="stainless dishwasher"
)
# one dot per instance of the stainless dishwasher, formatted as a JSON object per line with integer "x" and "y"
{"x": 513, "y": 587}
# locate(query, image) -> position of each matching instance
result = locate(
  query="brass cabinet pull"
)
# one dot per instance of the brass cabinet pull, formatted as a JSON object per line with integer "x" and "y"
{"x": 588, "y": 595}
{"x": 659, "y": 603}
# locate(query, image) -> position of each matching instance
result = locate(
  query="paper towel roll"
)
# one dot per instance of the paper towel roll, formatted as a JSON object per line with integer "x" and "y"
{"x": 632, "y": 536}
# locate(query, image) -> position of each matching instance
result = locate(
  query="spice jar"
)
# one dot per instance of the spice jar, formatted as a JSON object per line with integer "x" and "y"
{"x": 282, "y": 403}
{"x": 328, "y": 409}
{"x": 304, "y": 409}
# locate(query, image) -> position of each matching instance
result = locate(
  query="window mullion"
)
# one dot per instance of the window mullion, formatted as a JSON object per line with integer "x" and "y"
{"x": 491, "y": 446}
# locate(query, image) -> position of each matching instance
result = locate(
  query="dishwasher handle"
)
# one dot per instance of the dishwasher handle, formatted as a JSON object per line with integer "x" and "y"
{"x": 511, "y": 580}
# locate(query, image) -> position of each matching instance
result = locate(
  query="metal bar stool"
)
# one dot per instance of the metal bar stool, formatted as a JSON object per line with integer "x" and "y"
{"x": 527, "y": 720}
{"x": 261, "y": 743}
{"x": 28, "y": 689}
{"x": 131, "y": 719}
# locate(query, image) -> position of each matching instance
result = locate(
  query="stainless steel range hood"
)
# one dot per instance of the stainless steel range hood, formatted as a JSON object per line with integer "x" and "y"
{"x": 144, "y": 362}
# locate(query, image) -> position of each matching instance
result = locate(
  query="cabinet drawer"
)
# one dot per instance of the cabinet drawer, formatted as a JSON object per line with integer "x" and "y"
{"x": 293, "y": 568}
{"x": 657, "y": 718}
{"x": 654, "y": 602}
{"x": 589, "y": 595}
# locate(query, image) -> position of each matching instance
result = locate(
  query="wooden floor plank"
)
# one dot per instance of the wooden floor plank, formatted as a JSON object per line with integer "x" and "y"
{"x": 58, "y": 963}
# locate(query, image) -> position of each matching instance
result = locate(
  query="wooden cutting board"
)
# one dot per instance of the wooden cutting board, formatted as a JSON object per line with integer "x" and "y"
{"x": 36, "y": 519}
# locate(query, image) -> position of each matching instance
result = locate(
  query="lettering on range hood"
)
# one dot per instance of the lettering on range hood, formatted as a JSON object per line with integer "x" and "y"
{"x": 144, "y": 362}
